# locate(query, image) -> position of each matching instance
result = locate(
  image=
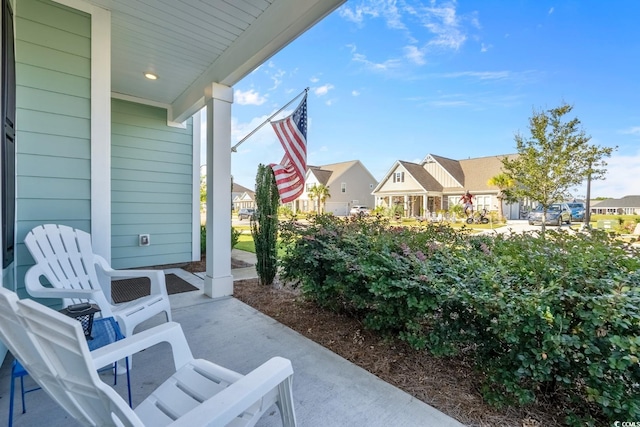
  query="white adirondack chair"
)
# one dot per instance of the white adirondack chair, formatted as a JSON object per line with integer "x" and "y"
{"x": 65, "y": 258}
{"x": 53, "y": 349}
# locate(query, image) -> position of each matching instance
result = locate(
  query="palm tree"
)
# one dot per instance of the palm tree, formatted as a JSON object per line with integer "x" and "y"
{"x": 312, "y": 192}
{"x": 503, "y": 182}
{"x": 321, "y": 193}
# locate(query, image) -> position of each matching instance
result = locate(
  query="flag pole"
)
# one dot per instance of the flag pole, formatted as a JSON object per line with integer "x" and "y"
{"x": 234, "y": 149}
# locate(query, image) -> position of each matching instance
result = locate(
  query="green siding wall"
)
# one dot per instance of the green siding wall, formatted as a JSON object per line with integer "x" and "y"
{"x": 151, "y": 179}
{"x": 53, "y": 63}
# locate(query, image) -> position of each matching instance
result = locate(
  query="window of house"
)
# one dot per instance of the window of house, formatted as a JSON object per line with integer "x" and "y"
{"x": 483, "y": 202}
{"x": 343, "y": 187}
{"x": 308, "y": 187}
{"x": 398, "y": 177}
{"x": 8, "y": 133}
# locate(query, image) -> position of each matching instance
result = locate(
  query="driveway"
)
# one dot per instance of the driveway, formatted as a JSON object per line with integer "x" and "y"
{"x": 521, "y": 225}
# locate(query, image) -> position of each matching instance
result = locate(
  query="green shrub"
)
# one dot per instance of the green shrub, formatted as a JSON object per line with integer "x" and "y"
{"x": 285, "y": 211}
{"x": 235, "y": 236}
{"x": 264, "y": 224}
{"x": 203, "y": 239}
{"x": 554, "y": 316}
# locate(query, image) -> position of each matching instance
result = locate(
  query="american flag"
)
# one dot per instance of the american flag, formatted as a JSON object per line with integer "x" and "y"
{"x": 292, "y": 133}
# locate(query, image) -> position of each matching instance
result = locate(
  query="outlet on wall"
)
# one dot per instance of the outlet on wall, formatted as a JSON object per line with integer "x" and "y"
{"x": 144, "y": 240}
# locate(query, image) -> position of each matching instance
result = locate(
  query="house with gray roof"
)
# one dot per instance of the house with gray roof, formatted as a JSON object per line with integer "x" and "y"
{"x": 627, "y": 205}
{"x": 350, "y": 184}
{"x": 437, "y": 183}
{"x": 242, "y": 197}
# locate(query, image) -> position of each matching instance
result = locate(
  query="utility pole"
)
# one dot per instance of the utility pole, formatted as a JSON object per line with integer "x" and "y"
{"x": 587, "y": 203}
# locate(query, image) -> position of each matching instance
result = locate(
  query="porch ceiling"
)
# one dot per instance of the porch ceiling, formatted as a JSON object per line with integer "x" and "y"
{"x": 190, "y": 44}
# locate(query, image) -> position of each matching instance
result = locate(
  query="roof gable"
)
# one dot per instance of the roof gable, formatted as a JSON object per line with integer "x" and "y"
{"x": 322, "y": 176}
{"x": 452, "y": 167}
{"x": 422, "y": 177}
{"x": 477, "y": 172}
{"x": 328, "y": 174}
{"x": 386, "y": 176}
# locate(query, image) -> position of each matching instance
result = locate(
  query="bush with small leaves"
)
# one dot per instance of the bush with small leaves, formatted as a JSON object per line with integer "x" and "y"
{"x": 554, "y": 315}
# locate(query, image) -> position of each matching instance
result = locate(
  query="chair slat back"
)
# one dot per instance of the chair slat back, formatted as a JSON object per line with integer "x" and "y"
{"x": 70, "y": 376}
{"x": 26, "y": 350}
{"x": 65, "y": 256}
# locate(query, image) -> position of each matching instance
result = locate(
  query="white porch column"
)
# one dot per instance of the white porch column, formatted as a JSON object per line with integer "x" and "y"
{"x": 218, "y": 281}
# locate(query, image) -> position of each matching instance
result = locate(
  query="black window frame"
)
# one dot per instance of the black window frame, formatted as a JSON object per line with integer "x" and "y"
{"x": 8, "y": 145}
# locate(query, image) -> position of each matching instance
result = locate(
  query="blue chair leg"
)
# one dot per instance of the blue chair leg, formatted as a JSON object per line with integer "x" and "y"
{"x": 24, "y": 405}
{"x": 13, "y": 380}
{"x": 126, "y": 360}
{"x": 18, "y": 371}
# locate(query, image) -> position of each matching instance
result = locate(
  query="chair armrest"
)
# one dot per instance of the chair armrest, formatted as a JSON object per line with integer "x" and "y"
{"x": 169, "y": 332}
{"x": 225, "y": 406}
{"x": 158, "y": 285}
{"x": 37, "y": 290}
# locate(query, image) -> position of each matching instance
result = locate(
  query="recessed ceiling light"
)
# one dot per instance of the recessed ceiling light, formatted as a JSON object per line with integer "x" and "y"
{"x": 150, "y": 75}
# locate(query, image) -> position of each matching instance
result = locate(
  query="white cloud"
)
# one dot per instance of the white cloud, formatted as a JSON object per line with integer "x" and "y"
{"x": 621, "y": 179}
{"x": 449, "y": 103}
{"x": 386, "y": 9}
{"x": 485, "y": 47}
{"x": 355, "y": 93}
{"x": 355, "y": 14}
{"x": 323, "y": 90}
{"x": 389, "y": 64}
{"x": 249, "y": 97}
{"x": 314, "y": 80}
{"x": 482, "y": 75}
{"x": 551, "y": 11}
{"x": 277, "y": 78}
{"x": 439, "y": 27}
{"x": 444, "y": 24}
{"x": 635, "y": 130}
{"x": 414, "y": 55}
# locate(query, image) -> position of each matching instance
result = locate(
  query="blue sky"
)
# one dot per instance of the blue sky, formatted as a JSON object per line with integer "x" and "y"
{"x": 397, "y": 80}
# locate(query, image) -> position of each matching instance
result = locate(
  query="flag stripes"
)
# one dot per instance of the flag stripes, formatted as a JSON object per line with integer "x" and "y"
{"x": 292, "y": 133}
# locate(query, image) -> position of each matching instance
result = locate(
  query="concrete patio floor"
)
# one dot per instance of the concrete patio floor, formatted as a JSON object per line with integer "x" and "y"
{"x": 328, "y": 390}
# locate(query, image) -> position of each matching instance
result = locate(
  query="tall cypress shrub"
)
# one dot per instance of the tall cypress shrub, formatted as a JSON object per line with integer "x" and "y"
{"x": 264, "y": 224}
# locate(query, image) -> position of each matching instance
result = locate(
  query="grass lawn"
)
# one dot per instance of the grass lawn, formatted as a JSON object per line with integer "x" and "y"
{"x": 245, "y": 243}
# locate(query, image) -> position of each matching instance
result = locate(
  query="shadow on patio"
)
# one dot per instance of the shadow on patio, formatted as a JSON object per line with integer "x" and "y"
{"x": 328, "y": 390}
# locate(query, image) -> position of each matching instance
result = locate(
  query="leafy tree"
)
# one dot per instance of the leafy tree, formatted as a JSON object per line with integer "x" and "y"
{"x": 319, "y": 192}
{"x": 503, "y": 182}
{"x": 203, "y": 188}
{"x": 555, "y": 158}
{"x": 264, "y": 224}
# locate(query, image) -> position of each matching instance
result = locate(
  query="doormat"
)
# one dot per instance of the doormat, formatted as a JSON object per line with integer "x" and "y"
{"x": 130, "y": 289}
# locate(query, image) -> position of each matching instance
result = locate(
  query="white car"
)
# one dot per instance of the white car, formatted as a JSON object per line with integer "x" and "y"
{"x": 359, "y": 210}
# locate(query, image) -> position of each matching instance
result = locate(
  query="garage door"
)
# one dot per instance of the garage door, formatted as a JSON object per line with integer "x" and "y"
{"x": 336, "y": 208}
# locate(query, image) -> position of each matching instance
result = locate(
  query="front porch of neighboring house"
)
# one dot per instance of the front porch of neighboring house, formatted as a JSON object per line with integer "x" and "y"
{"x": 412, "y": 205}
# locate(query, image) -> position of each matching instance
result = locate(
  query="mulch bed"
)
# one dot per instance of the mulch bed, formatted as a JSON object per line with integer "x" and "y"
{"x": 448, "y": 384}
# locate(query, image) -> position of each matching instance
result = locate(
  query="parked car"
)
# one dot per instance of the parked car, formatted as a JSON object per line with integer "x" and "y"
{"x": 359, "y": 210}
{"x": 577, "y": 210}
{"x": 246, "y": 213}
{"x": 557, "y": 214}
